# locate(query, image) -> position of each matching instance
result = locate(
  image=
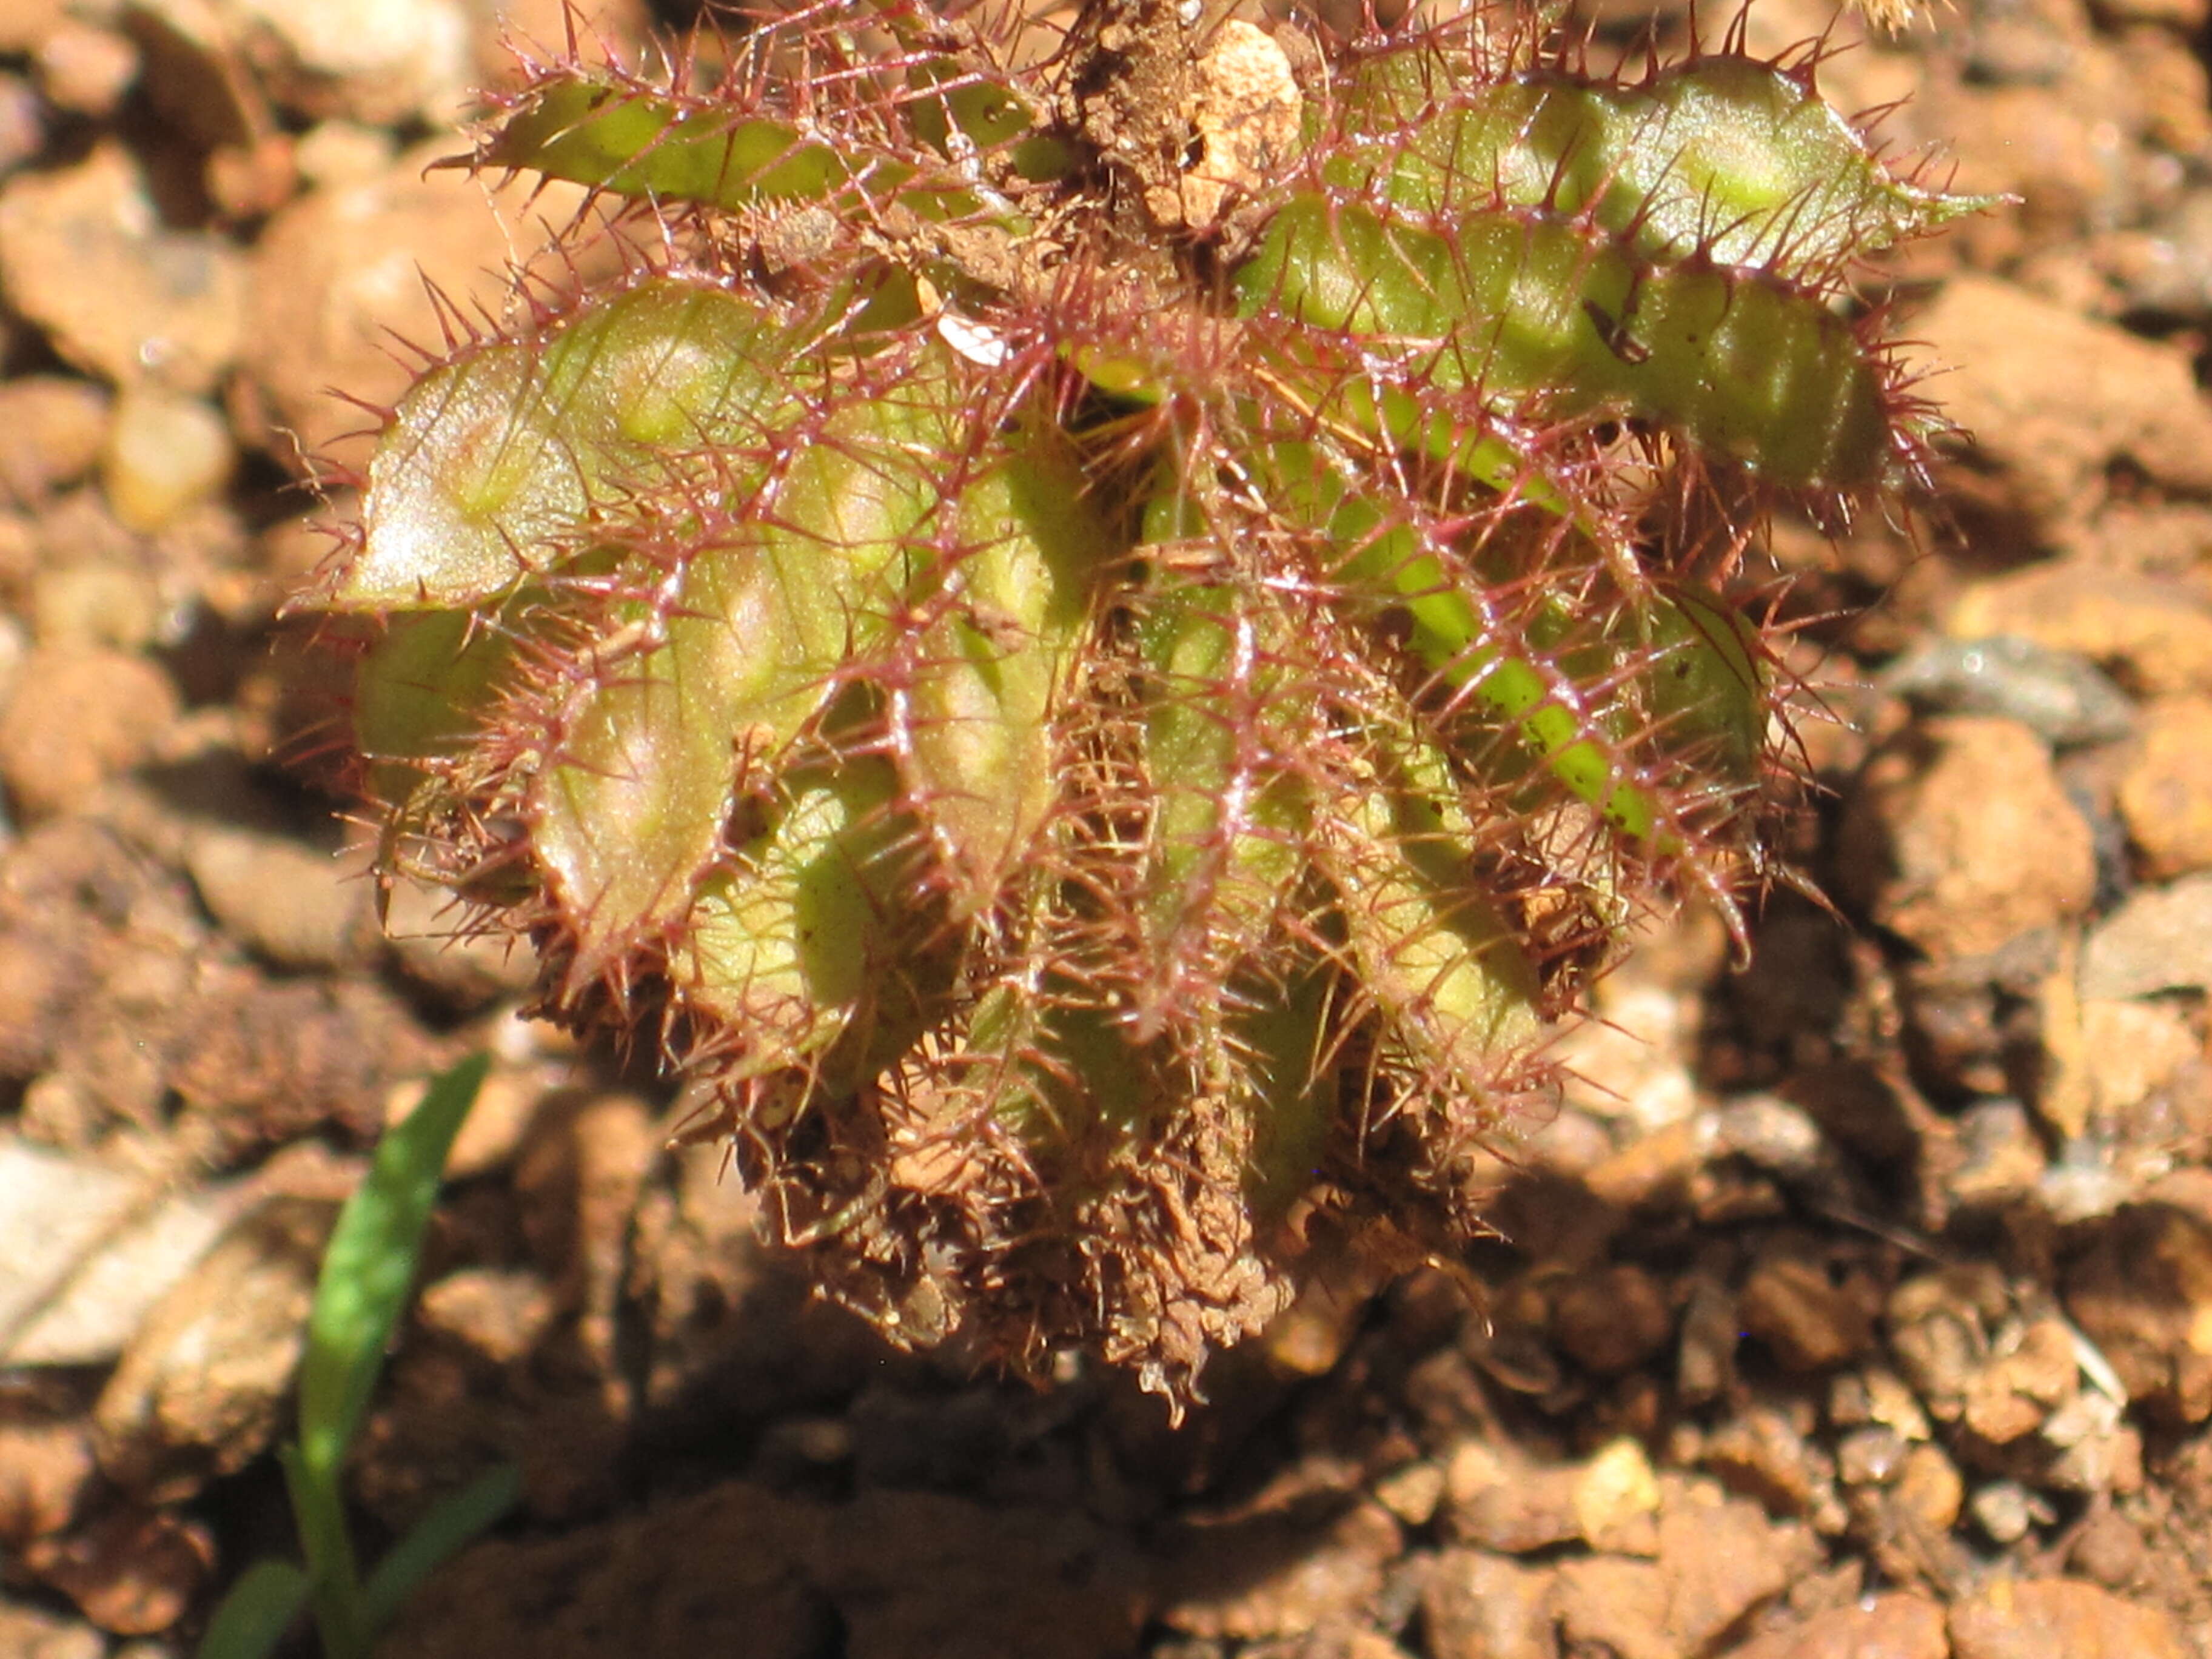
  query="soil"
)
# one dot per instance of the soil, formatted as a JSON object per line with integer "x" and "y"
{"x": 1857, "y": 1299}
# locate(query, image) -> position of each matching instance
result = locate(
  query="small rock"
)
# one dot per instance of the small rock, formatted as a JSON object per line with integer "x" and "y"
{"x": 386, "y": 64}
{"x": 469, "y": 969}
{"x": 1871, "y": 1457}
{"x": 2165, "y": 793}
{"x": 1509, "y": 1507}
{"x": 91, "y": 1250}
{"x": 164, "y": 455}
{"x": 1760, "y": 1453}
{"x": 1810, "y": 1314}
{"x": 1252, "y": 1580}
{"x": 2058, "y": 1619}
{"x": 206, "y": 1382}
{"x": 2002, "y": 1157}
{"x": 30, "y": 1633}
{"x": 132, "y": 1572}
{"x": 2052, "y": 398}
{"x": 22, "y": 121}
{"x": 51, "y": 428}
{"x": 1938, "y": 1329}
{"x": 1609, "y": 1604}
{"x": 1612, "y": 1319}
{"x": 1704, "y": 1365}
{"x": 1930, "y": 1490}
{"x": 2108, "y": 1547}
{"x": 577, "y": 1181}
{"x": 2099, "y": 1451}
{"x": 1901, "y": 1625}
{"x": 2064, "y": 698}
{"x": 1413, "y": 1493}
{"x": 84, "y": 69}
{"x": 1615, "y": 1495}
{"x": 2004, "y": 1511}
{"x": 1722, "y": 1558}
{"x": 84, "y": 256}
{"x": 289, "y": 902}
{"x": 101, "y": 602}
{"x": 497, "y": 1314}
{"x": 46, "y": 1469}
{"x": 2142, "y": 1292}
{"x": 1960, "y": 838}
{"x": 2030, "y": 1375}
{"x": 77, "y": 717}
{"x": 1478, "y": 1606}
{"x": 2156, "y": 630}
{"x": 2160, "y": 940}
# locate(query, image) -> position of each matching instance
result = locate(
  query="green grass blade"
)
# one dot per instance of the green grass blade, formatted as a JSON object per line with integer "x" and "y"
{"x": 370, "y": 1266}
{"x": 451, "y": 1525}
{"x": 251, "y": 1620}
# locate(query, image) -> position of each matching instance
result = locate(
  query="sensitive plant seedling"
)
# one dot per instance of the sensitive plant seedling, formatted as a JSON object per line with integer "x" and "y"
{"x": 367, "y": 1274}
{"x": 1099, "y": 632}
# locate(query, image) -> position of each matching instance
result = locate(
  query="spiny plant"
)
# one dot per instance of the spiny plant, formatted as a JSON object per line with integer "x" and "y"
{"x": 1101, "y": 631}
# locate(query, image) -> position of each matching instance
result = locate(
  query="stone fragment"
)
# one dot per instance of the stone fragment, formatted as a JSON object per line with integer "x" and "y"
{"x": 1610, "y": 1604}
{"x": 205, "y": 1384}
{"x": 1870, "y": 1456}
{"x": 2156, "y": 631}
{"x": 1273, "y": 1577}
{"x": 75, "y": 717}
{"x": 2004, "y": 1510}
{"x": 1615, "y": 1495}
{"x": 2160, "y": 940}
{"x": 1809, "y": 1309}
{"x": 1722, "y": 1558}
{"x": 1960, "y": 839}
{"x": 2009, "y": 1396}
{"x": 2108, "y": 1547}
{"x": 132, "y": 1572}
{"x": 2166, "y": 792}
{"x": 35, "y": 1633}
{"x": 86, "y": 69}
{"x": 497, "y": 1314}
{"x": 1412, "y": 1494}
{"x": 2002, "y": 1156}
{"x": 47, "y": 1471}
{"x": 51, "y": 428}
{"x": 1759, "y": 1453}
{"x": 1929, "y": 1489}
{"x": 2142, "y": 1292}
{"x": 1938, "y": 1330}
{"x": 164, "y": 455}
{"x": 84, "y": 256}
{"x": 2063, "y": 697}
{"x": 1509, "y": 1506}
{"x": 2052, "y": 398}
{"x": 1898, "y": 1625}
{"x": 386, "y": 64}
{"x": 91, "y": 1249}
{"x": 297, "y": 907}
{"x": 1478, "y": 1606}
{"x": 1612, "y": 1319}
{"x": 2058, "y": 1619}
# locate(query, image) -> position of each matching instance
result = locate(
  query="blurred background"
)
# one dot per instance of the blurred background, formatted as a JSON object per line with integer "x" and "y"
{"x": 1857, "y": 1301}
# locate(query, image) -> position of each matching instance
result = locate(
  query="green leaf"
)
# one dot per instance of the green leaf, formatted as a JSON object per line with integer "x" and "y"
{"x": 494, "y": 462}
{"x": 453, "y": 1522}
{"x": 593, "y": 127}
{"x": 370, "y": 1266}
{"x": 253, "y": 1617}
